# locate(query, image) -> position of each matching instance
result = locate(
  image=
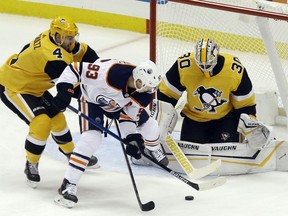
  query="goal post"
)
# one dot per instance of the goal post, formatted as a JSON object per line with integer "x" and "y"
{"x": 256, "y": 31}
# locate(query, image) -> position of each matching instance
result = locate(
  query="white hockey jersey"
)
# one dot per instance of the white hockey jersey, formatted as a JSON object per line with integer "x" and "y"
{"x": 104, "y": 83}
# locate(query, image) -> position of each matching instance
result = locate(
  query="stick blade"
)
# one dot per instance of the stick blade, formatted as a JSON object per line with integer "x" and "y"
{"x": 204, "y": 171}
{"x": 148, "y": 206}
{"x": 213, "y": 183}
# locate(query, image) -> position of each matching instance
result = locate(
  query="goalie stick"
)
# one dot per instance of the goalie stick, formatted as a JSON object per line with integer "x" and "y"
{"x": 200, "y": 186}
{"x": 191, "y": 172}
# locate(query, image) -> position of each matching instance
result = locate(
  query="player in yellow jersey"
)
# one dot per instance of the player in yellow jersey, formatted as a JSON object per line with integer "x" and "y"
{"x": 25, "y": 79}
{"x": 218, "y": 91}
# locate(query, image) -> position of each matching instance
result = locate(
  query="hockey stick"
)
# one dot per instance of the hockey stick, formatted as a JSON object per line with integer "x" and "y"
{"x": 197, "y": 186}
{"x": 188, "y": 168}
{"x": 146, "y": 206}
{"x": 191, "y": 172}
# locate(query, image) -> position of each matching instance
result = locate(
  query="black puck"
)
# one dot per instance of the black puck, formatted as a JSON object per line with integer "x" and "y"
{"x": 189, "y": 198}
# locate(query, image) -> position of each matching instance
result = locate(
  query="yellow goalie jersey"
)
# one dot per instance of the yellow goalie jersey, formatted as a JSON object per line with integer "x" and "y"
{"x": 209, "y": 98}
{"x": 36, "y": 68}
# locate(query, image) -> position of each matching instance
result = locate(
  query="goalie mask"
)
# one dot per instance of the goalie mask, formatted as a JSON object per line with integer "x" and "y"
{"x": 206, "y": 54}
{"x": 67, "y": 30}
{"x": 147, "y": 77}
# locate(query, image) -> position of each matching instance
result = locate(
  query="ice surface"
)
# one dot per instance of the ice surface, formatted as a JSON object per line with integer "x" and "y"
{"x": 108, "y": 190}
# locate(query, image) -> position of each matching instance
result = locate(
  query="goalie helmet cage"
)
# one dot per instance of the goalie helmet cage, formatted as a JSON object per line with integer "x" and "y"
{"x": 256, "y": 31}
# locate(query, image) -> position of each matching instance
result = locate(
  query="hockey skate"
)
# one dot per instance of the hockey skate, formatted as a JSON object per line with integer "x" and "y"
{"x": 92, "y": 164}
{"x": 160, "y": 157}
{"x": 32, "y": 174}
{"x": 67, "y": 194}
{"x": 157, "y": 154}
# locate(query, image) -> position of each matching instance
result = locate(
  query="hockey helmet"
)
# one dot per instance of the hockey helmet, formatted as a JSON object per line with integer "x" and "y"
{"x": 149, "y": 75}
{"x": 206, "y": 55}
{"x": 66, "y": 28}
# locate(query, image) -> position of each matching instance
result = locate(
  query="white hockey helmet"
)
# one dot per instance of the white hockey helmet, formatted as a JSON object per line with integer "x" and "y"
{"x": 206, "y": 55}
{"x": 149, "y": 76}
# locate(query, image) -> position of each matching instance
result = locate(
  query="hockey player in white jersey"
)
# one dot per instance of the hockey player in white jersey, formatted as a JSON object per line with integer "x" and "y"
{"x": 118, "y": 90}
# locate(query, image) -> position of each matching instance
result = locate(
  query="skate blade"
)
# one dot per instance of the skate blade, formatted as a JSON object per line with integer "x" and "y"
{"x": 32, "y": 184}
{"x": 64, "y": 202}
{"x": 95, "y": 166}
{"x": 141, "y": 162}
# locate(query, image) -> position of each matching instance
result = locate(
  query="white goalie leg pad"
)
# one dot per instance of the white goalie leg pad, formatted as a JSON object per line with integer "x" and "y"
{"x": 166, "y": 116}
{"x": 257, "y": 134}
{"x": 282, "y": 155}
{"x": 237, "y": 158}
{"x": 240, "y": 158}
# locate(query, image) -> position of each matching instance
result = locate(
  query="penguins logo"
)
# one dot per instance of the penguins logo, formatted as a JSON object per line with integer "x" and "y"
{"x": 210, "y": 99}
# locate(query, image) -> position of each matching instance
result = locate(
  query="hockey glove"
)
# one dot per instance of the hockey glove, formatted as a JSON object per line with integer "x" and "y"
{"x": 46, "y": 100}
{"x": 134, "y": 143}
{"x": 63, "y": 97}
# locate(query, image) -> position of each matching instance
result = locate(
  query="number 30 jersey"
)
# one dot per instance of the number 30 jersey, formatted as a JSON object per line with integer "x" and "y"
{"x": 210, "y": 98}
{"x": 104, "y": 83}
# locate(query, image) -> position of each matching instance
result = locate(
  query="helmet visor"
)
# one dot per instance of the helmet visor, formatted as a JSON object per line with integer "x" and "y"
{"x": 149, "y": 89}
{"x": 206, "y": 67}
{"x": 68, "y": 42}
{"x": 140, "y": 87}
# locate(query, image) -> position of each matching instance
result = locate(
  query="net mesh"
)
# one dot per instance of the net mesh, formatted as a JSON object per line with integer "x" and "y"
{"x": 179, "y": 26}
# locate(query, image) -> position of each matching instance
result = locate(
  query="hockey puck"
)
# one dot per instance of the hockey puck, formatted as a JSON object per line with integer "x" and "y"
{"x": 189, "y": 198}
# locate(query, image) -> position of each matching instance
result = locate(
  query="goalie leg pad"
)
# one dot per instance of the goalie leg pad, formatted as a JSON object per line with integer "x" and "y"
{"x": 166, "y": 116}
{"x": 282, "y": 156}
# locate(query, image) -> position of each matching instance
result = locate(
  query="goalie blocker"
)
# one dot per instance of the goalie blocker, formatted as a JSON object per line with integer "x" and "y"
{"x": 259, "y": 152}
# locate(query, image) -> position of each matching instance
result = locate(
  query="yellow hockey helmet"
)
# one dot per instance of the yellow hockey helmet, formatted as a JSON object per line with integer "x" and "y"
{"x": 64, "y": 26}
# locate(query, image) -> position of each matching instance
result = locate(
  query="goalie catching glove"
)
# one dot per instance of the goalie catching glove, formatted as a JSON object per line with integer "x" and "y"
{"x": 135, "y": 143}
{"x": 257, "y": 134}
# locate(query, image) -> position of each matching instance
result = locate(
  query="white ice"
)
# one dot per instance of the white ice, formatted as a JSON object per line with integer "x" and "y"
{"x": 108, "y": 190}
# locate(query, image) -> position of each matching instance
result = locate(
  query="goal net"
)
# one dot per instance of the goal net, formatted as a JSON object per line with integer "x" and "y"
{"x": 256, "y": 31}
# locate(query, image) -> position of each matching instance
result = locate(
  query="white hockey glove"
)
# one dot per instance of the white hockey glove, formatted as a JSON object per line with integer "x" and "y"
{"x": 166, "y": 116}
{"x": 257, "y": 134}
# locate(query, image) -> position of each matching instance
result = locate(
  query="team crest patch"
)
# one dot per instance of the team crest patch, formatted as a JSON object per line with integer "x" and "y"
{"x": 225, "y": 136}
{"x": 210, "y": 99}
